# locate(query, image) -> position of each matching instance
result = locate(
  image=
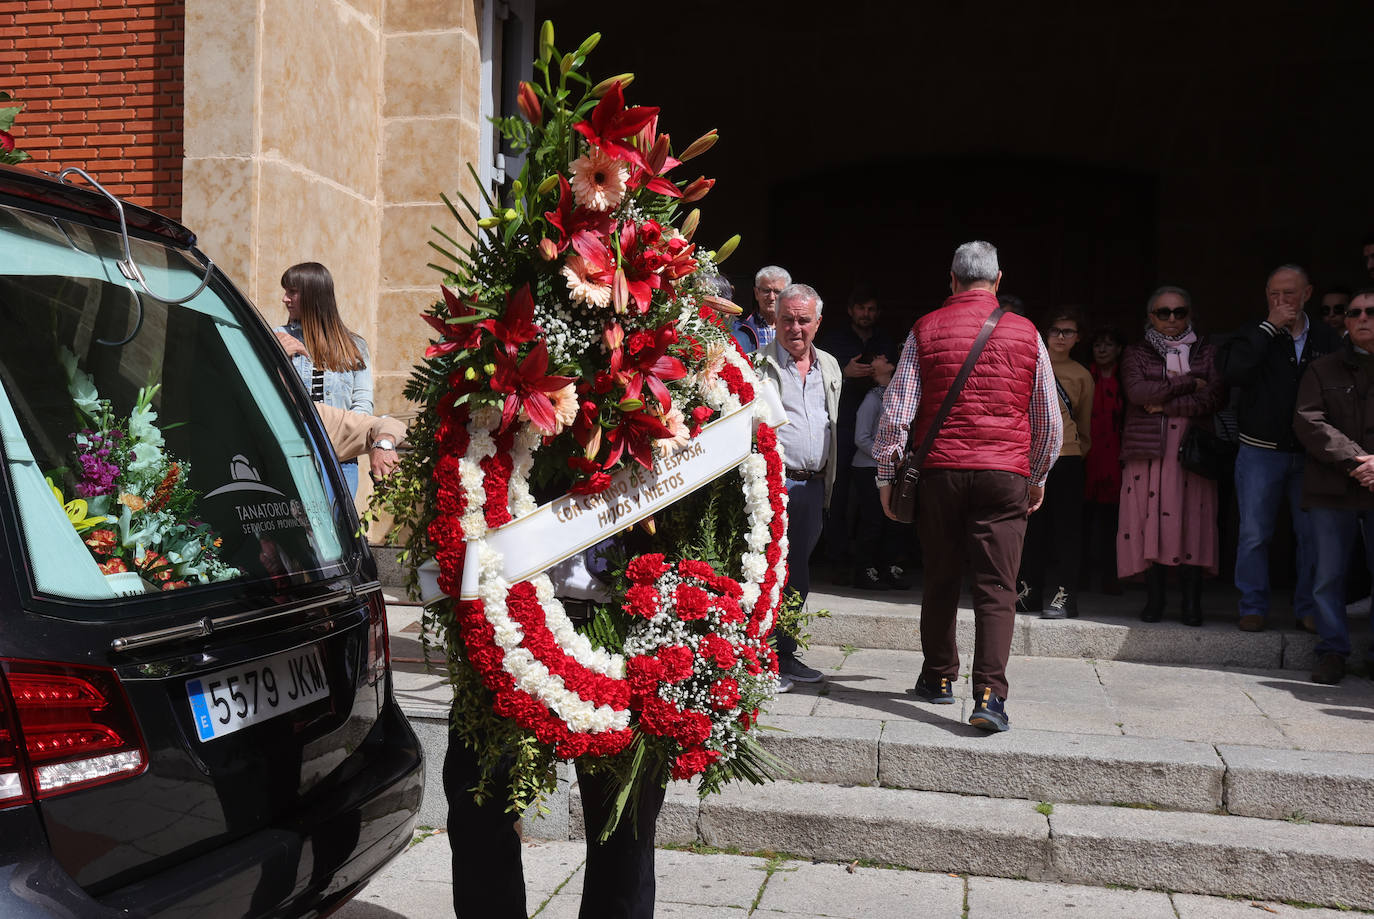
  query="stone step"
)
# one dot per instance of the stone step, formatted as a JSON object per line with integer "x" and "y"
{"x": 1074, "y": 843}
{"x": 1108, "y": 628}
{"x": 1153, "y": 773}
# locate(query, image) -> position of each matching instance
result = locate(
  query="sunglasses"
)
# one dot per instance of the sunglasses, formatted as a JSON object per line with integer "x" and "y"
{"x": 1355, "y": 312}
{"x": 1164, "y": 312}
{"x": 1329, "y": 310}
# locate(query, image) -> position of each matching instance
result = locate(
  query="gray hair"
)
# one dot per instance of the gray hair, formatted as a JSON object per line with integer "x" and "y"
{"x": 1168, "y": 289}
{"x": 800, "y": 292}
{"x": 975, "y": 261}
{"x": 772, "y": 273}
{"x": 1306, "y": 278}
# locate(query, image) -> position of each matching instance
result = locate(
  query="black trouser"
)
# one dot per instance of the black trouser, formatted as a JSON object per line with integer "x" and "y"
{"x": 1100, "y": 523}
{"x": 1053, "y": 555}
{"x": 488, "y": 878}
{"x": 875, "y": 541}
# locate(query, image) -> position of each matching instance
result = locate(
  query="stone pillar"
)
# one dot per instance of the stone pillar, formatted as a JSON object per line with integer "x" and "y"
{"x": 430, "y": 128}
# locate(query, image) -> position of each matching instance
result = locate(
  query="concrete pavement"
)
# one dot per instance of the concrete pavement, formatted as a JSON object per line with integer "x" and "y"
{"x": 713, "y": 885}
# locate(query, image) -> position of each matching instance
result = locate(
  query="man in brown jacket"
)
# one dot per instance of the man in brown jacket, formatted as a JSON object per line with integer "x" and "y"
{"x": 1334, "y": 420}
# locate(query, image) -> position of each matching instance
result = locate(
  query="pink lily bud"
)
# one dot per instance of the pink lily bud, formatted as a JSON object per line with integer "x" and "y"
{"x": 593, "y": 446}
{"x": 689, "y": 226}
{"x": 721, "y": 305}
{"x": 699, "y": 146}
{"x": 620, "y": 291}
{"x": 658, "y": 154}
{"x": 529, "y": 104}
{"x": 614, "y": 336}
{"x": 697, "y": 189}
{"x": 548, "y": 249}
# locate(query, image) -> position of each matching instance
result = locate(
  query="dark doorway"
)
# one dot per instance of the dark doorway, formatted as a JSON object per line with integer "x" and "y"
{"x": 1068, "y": 233}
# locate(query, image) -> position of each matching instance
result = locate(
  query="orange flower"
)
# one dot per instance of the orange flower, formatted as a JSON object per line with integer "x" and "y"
{"x": 132, "y": 502}
{"x": 113, "y": 566}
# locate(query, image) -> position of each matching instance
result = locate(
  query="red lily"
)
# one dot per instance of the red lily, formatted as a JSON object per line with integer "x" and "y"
{"x": 569, "y": 220}
{"x": 517, "y": 325}
{"x": 657, "y": 164}
{"x": 455, "y": 335}
{"x": 599, "y": 259}
{"x": 649, "y": 356}
{"x": 611, "y": 122}
{"x": 636, "y": 432}
{"x": 526, "y": 386}
{"x": 641, "y": 261}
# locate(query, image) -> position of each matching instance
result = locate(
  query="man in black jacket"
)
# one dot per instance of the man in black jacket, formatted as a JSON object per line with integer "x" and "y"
{"x": 1265, "y": 360}
{"x": 1335, "y": 422}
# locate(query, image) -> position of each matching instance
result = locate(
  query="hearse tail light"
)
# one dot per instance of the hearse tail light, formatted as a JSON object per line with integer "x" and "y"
{"x": 75, "y": 727}
{"x": 13, "y": 789}
{"x": 378, "y": 639}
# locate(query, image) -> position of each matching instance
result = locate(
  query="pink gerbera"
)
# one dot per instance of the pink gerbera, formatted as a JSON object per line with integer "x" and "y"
{"x": 598, "y": 181}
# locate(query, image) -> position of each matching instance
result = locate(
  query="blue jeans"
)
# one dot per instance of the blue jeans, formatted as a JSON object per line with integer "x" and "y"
{"x": 1334, "y": 531}
{"x": 350, "y": 475}
{"x": 1264, "y": 478}
{"x": 805, "y": 511}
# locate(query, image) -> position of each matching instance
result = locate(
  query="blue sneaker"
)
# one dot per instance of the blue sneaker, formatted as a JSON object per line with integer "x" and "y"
{"x": 990, "y": 712}
{"x": 937, "y": 690}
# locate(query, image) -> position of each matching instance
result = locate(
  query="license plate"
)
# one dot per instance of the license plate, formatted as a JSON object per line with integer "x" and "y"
{"x": 232, "y": 699}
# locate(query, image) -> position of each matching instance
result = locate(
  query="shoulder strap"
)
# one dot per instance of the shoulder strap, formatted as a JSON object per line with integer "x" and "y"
{"x": 983, "y": 335}
{"x": 1063, "y": 394}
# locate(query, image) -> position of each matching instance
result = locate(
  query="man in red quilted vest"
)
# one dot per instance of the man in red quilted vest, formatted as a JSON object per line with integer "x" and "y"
{"x": 984, "y": 474}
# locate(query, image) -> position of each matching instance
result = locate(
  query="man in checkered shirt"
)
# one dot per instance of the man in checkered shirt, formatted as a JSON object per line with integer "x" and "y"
{"x": 984, "y": 474}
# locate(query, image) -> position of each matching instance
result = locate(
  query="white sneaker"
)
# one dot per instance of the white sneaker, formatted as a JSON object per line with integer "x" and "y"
{"x": 784, "y": 684}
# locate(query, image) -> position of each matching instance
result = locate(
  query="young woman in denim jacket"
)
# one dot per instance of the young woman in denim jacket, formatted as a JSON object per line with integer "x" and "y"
{"x": 332, "y": 360}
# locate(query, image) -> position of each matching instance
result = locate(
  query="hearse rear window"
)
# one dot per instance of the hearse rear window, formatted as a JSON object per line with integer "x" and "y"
{"x": 146, "y": 445}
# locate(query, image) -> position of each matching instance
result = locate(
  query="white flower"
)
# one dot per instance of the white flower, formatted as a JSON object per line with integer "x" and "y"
{"x": 598, "y": 181}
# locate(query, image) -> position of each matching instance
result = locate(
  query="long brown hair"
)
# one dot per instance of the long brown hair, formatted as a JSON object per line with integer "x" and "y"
{"x": 328, "y": 340}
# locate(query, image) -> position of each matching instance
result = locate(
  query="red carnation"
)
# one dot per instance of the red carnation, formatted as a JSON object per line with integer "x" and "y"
{"x": 692, "y": 602}
{"x": 724, "y": 694}
{"x": 717, "y": 650}
{"x": 695, "y": 568}
{"x": 677, "y": 662}
{"x": 646, "y": 569}
{"x": 642, "y": 600}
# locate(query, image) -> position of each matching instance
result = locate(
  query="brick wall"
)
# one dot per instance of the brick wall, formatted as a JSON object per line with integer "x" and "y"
{"x": 101, "y": 83}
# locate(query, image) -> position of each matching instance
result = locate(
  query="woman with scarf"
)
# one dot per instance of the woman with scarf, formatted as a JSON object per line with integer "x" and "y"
{"x": 1168, "y": 514}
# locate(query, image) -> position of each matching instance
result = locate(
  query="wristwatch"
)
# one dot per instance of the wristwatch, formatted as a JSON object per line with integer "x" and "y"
{"x": 384, "y": 444}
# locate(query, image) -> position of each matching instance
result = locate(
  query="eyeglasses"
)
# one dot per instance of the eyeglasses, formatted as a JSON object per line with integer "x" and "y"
{"x": 1163, "y": 313}
{"x": 1328, "y": 309}
{"x": 1058, "y": 332}
{"x": 1355, "y": 312}
{"x": 769, "y": 290}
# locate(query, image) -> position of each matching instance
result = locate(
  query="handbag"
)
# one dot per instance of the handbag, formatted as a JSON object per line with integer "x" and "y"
{"x": 904, "y": 484}
{"x": 1203, "y": 453}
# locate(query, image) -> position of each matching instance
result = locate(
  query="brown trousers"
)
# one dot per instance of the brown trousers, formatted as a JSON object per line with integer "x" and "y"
{"x": 975, "y": 517}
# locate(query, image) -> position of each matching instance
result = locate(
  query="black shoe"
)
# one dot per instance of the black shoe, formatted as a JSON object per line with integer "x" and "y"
{"x": 990, "y": 712}
{"x": 1154, "y": 594}
{"x": 796, "y": 671}
{"x": 1028, "y": 599}
{"x": 937, "y": 690}
{"x": 1190, "y": 583}
{"x": 895, "y": 577}
{"x": 1330, "y": 670}
{"x": 869, "y": 579}
{"x": 1063, "y": 606}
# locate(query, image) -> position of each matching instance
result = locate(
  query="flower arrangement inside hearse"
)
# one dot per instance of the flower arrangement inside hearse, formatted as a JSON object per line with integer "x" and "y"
{"x": 583, "y": 369}
{"x": 128, "y": 498}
